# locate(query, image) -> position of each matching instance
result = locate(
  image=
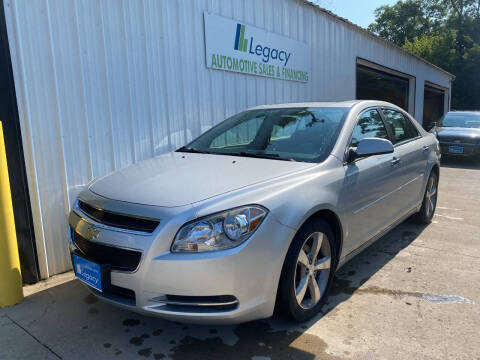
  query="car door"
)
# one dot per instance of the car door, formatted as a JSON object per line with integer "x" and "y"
{"x": 368, "y": 184}
{"x": 412, "y": 157}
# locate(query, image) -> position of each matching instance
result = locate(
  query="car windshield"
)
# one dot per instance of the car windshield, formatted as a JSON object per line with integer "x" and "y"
{"x": 294, "y": 134}
{"x": 461, "y": 120}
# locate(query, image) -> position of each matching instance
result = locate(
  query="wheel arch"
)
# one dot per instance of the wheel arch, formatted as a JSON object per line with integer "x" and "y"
{"x": 436, "y": 169}
{"x": 334, "y": 221}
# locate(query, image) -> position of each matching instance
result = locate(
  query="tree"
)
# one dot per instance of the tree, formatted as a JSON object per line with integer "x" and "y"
{"x": 444, "y": 32}
{"x": 407, "y": 19}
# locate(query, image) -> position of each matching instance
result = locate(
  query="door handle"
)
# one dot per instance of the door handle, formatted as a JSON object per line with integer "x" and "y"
{"x": 426, "y": 148}
{"x": 395, "y": 161}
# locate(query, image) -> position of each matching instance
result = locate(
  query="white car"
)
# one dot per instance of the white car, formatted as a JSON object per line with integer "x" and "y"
{"x": 258, "y": 212}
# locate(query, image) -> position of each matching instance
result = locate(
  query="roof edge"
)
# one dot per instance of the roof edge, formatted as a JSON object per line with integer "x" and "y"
{"x": 375, "y": 36}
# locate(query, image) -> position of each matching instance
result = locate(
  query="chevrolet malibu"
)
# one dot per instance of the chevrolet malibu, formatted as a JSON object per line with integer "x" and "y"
{"x": 256, "y": 214}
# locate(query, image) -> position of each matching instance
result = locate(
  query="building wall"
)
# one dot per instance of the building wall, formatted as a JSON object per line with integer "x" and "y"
{"x": 101, "y": 85}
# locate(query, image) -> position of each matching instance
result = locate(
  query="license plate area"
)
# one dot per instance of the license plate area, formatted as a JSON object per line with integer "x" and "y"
{"x": 455, "y": 149}
{"x": 92, "y": 274}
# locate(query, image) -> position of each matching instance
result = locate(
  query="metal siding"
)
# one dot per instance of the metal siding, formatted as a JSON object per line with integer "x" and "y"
{"x": 101, "y": 85}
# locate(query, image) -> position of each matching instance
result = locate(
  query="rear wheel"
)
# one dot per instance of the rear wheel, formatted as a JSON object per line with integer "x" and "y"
{"x": 429, "y": 204}
{"x": 308, "y": 271}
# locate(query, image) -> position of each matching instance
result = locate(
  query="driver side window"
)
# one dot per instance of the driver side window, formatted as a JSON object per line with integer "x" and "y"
{"x": 369, "y": 125}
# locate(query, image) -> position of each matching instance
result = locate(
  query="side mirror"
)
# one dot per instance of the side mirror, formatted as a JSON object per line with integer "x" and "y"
{"x": 433, "y": 125}
{"x": 370, "y": 146}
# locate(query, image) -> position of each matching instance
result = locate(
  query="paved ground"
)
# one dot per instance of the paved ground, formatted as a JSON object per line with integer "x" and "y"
{"x": 415, "y": 294}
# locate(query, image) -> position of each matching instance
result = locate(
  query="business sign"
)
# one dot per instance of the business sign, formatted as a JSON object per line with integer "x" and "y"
{"x": 234, "y": 46}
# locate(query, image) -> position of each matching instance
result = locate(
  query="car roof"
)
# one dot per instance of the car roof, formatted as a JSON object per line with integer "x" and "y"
{"x": 342, "y": 104}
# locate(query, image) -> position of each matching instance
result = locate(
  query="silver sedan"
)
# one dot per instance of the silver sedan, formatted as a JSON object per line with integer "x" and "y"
{"x": 257, "y": 213}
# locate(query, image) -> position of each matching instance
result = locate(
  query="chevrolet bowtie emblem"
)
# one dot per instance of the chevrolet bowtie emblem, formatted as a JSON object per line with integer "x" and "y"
{"x": 92, "y": 233}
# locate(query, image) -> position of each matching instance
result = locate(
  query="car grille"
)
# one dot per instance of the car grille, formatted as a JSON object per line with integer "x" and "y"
{"x": 118, "y": 220}
{"x": 117, "y": 258}
{"x": 456, "y": 140}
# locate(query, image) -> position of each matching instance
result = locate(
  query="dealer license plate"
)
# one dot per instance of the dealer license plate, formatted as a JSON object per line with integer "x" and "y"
{"x": 455, "y": 149}
{"x": 88, "y": 272}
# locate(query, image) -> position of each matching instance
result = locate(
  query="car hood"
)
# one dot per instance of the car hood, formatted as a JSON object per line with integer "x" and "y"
{"x": 459, "y": 132}
{"x": 178, "y": 179}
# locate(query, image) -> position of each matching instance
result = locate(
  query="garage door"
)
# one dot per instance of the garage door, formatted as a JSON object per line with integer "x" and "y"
{"x": 373, "y": 84}
{"x": 433, "y": 105}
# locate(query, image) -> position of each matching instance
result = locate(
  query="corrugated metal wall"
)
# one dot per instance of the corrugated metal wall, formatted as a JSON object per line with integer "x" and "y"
{"x": 102, "y": 84}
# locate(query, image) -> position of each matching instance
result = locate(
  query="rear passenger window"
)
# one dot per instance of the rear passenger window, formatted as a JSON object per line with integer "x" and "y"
{"x": 402, "y": 128}
{"x": 369, "y": 125}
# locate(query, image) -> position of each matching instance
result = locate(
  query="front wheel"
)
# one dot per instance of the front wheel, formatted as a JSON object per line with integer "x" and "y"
{"x": 308, "y": 271}
{"x": 429, "y": 204}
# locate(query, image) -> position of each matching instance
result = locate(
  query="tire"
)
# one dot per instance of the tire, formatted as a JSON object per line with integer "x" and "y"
{"x": 429, "y": 204}
{"x": 297, "y": 275}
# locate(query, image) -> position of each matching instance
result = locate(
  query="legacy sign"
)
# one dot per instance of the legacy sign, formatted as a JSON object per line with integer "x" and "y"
{"x": 234, "y": 46}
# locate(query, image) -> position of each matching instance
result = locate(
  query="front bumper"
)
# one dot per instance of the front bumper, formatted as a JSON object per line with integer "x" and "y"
{"x": 228, "y": 286}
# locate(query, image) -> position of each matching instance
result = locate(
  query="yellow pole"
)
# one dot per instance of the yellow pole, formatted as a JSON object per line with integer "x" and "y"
{"x": 11, "y": 291}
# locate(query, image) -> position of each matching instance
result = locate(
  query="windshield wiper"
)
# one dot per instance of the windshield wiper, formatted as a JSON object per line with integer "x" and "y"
{"x": 241, "y": 153}
{"x": 261, "y": 156}
{"x": 244, "y": 153}
{"x": 192, "y": 150}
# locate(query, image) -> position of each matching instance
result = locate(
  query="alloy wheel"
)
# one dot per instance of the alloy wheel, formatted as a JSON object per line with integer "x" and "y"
{"x": 431, "y": 196}
{"x": 312, "y": 270}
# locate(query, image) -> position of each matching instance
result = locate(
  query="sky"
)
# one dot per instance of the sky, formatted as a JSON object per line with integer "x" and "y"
{"x": 360, "y": 12}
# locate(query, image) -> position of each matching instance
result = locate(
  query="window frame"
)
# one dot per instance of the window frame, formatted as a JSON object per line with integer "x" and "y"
{"x": 391, "y": 135}
{"x": 347, "y": 146}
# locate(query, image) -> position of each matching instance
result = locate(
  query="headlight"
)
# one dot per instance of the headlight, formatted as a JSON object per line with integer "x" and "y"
{"x": 219, "y": 231}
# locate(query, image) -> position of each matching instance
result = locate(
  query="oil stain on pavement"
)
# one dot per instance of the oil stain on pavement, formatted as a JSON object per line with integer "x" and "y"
{"x": 436, "y": 299}
{"x": 131, "y": 322}
{"x": 90, "y": 299}
{"x": 343, "y": 286}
